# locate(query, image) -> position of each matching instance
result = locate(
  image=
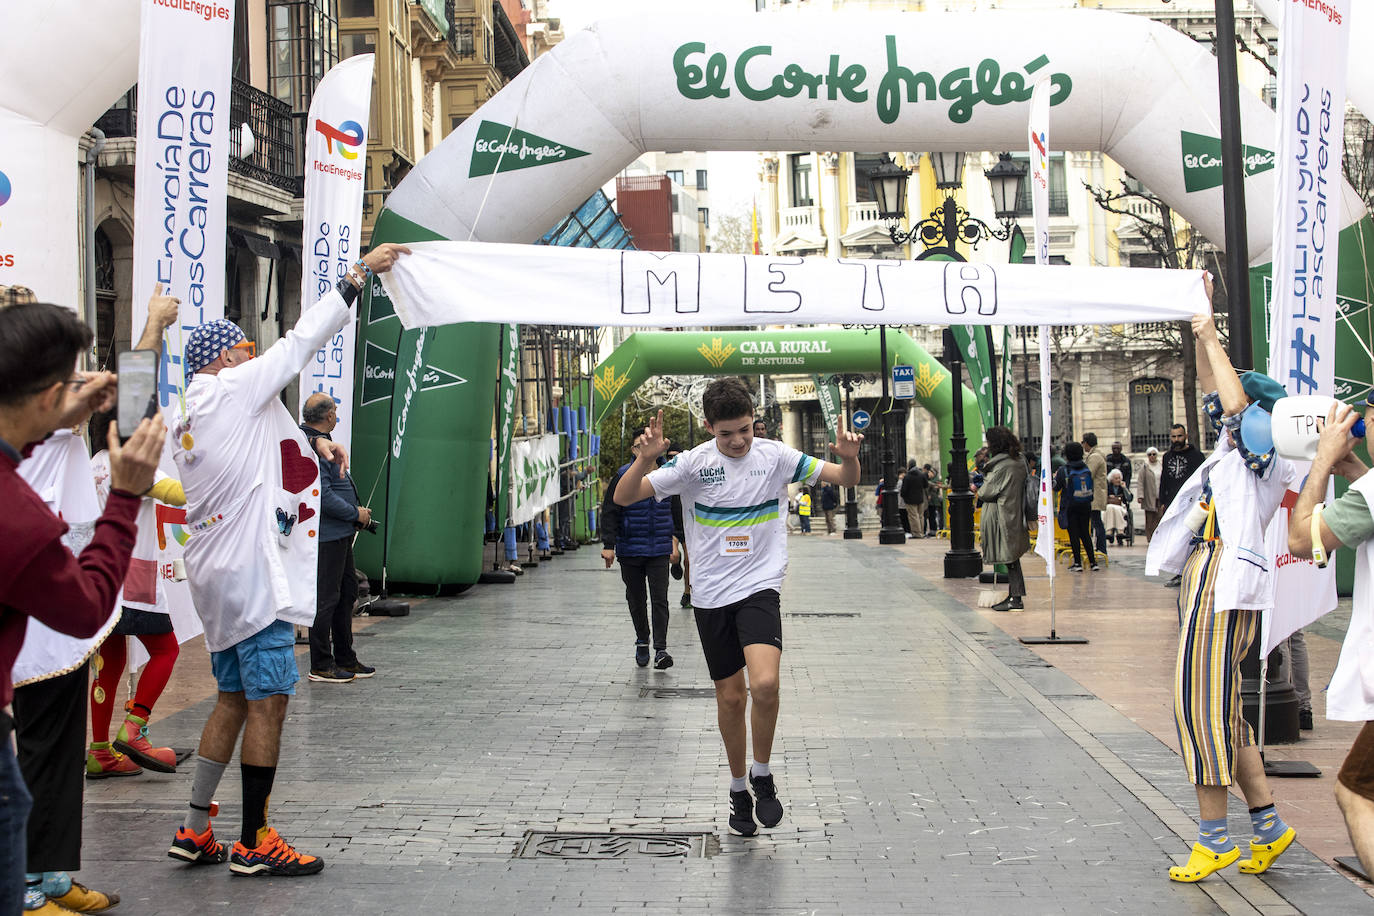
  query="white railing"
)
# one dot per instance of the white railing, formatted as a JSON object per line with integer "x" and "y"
{"x": 861, "y": 213}
{"x": 805, "y": 220}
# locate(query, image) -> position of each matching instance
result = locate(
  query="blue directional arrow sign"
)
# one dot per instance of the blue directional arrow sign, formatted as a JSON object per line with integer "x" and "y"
{"x": 861, "y": 419}
{"x": 904, "y": 382}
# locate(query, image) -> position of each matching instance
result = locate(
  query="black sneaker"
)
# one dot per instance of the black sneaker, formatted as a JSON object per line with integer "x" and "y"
{"x": 1305, "y": 720}
{"x": 742, "y": 814}
{"x": 642, "y": 654}
{"x": 1175, "y": 582}
{"x": 662, "y": 660}
{"x": 1009, "y": 604}
{"x": 358, "y": 669}
{"x": 1077, "y": 567}
{"x": 686, "y": 599}
{"x": 331, "y": 676}
{"x": 1096, "y": 568}
{"x": 768, "y": 806}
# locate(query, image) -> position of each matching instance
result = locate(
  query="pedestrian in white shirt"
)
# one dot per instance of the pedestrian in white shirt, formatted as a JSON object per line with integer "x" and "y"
{"x": 252, "y": 504}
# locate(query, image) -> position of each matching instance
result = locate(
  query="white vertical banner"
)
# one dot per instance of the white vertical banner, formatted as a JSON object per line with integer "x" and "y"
{"x": 181, "y": 179}
{"x": 1313, "y": 49}
{"x": 335, "y": 162}
{"x": 181, "y": 174}
{"x": 1039, "y": 148}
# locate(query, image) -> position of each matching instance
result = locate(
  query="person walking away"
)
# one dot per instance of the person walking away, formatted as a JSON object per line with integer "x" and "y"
{"x": 252, "y": 558}
{"x": 734, "y": 487}
{"x": 641, "y": 536}
{"x": 804, "y": 509}
{"x": 915, "y": 488}
{"x": 830, "y": 501}
{"x": 1315, "y": 533}
{"x": 1149, "y": 490}
{"x": 1213, "y": 534}
{"x": 1002, "y": 525}
{"x": 1098, "y": 465}
{"x": 1074, "y": 483}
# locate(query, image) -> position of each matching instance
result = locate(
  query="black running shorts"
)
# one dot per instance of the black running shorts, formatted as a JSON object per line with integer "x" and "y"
{"x": 725, "y": 631}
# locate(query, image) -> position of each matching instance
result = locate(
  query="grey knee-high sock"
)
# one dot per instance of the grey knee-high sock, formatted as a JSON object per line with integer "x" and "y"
{"x": 203, "y": 786}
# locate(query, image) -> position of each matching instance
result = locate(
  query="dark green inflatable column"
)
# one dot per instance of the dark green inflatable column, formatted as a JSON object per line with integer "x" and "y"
{"x": 422, "y": 436}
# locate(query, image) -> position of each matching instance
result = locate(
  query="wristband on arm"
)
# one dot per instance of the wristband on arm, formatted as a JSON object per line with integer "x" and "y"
{"x": 1318, "y": 547}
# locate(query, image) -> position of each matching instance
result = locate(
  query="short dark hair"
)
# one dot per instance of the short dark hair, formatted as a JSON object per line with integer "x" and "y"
{"x": 1073, "y": 451}
{"x": 39, "y": 344}
{"x": 726, "y": 399}
{"x": 1090, "y": 439}
{"x": 318, "y": 412}
{"x": 1178, "y": 426}
{"x": 1002, "y": 441}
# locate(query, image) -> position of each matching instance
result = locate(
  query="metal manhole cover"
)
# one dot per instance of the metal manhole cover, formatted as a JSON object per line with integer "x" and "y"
{"x": 673, "y": 693}
{"x": 822, "y": 614}
{"x": 540, "y": 844}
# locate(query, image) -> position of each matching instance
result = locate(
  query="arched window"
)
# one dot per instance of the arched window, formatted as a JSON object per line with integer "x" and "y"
{"x": 1152, "y": 412}
{"x": 104, "y": 265}
{"x": 1028, "y": 424}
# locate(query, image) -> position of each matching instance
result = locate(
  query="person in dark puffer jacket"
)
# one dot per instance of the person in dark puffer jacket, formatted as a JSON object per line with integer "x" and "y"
{"x": 641, "y": 536}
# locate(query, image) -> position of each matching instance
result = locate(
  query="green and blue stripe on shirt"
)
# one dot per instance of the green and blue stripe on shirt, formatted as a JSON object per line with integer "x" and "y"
{"x": 735, "y": 516}
{"x": 806, "y": 467}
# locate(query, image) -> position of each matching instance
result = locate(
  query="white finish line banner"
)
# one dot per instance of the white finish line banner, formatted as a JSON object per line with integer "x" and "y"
{"x": 451, "y": 282}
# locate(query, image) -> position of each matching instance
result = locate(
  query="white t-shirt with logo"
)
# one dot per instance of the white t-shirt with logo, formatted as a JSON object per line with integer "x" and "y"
{"x": 733, "y": 515}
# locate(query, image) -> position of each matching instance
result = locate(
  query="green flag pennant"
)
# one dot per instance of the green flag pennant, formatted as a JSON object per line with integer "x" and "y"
{"x": 1202, "y": 161}
{"x": 499, "y": 148}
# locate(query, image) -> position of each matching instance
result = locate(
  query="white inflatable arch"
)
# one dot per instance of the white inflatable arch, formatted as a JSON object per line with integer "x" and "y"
{"x": 1128, "y": 86}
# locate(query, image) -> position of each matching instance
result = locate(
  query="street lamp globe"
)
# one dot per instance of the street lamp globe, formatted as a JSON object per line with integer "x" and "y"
{"x": 949, "y": 170}
{"x": 1005, "y": 178}
{"x": 888, "y": 182}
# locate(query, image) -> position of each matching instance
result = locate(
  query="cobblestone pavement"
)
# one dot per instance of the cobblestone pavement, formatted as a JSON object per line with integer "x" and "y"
{"x": 928, "y": 761}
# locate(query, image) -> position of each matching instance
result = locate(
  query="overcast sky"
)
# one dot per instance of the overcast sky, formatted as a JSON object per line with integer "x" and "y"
{"x": 734, "y": 176}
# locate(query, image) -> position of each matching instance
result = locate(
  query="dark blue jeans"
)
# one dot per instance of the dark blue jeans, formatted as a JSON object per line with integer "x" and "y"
{"x": 646, "y": 582}
{"x": 15, "y": 803}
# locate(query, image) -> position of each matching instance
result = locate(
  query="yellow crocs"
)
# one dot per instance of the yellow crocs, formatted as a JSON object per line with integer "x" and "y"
{"x": 1202, "y": 863}
{"x": 1262, "y": 855}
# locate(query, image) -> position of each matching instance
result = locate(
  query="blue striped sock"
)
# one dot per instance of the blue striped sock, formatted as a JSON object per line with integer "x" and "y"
{"x": 1213, "y": 835}
{"x": 1267, "y": 823}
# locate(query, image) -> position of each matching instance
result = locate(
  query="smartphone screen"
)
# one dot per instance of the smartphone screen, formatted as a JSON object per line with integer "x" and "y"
{"x": 137, "y": 389}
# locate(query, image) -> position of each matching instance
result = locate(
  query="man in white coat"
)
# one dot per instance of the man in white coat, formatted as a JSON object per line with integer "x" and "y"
{"x": 252, "y": 504}
{"x": 1313, "y": 532}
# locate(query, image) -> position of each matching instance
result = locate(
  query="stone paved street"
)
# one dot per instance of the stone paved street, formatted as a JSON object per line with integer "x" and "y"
{"x": 929, "y": 763}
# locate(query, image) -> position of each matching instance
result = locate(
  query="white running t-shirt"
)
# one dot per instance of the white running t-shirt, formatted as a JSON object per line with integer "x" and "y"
{"x": 733, "y": 516}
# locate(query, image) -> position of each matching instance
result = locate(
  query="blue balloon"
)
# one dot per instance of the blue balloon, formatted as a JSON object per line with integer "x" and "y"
{"x": 1256, "y": 429}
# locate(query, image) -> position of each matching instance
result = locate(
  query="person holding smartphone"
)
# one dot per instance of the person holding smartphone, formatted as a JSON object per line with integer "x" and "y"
{"x": 253, "y": 508}
{"x": 40, "y": 578}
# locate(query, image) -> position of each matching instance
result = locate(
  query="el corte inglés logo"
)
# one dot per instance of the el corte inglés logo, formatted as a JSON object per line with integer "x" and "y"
{"x": 1202, "y": 161}
{"x": 499, "y": 148}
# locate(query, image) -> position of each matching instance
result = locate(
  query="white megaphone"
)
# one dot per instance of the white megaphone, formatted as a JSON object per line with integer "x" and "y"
{"x": 1297, "y": 425}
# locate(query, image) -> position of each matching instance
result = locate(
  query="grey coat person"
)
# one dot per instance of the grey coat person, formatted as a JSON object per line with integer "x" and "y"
{"x": 1003, "y": 525}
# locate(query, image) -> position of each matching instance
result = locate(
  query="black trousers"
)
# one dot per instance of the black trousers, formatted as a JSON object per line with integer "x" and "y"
{"x": 1080, "y": 534}
{"x": 646, "y": 581}
{"x": 1016, "y": 580}
{"x": 1099, "y": 531}
{"x": 50, "y": 725}
{"x": 336, "y": 592}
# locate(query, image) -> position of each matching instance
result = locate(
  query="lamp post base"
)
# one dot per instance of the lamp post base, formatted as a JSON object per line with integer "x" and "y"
{"x": 892, "y": 536}
{"x": 963, "y": 564}
{"x": 853, "y": 534}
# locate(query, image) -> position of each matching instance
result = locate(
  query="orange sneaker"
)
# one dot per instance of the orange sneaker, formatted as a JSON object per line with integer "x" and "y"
{"x": 273, "y": 856}
{"x": 198, "y": 848}
{"x": 132, "y": 739}
{"x": 102, "y": 763}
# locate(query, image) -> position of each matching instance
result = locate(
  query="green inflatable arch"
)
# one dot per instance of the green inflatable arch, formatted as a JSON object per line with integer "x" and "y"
{"x": 646, "y": 354}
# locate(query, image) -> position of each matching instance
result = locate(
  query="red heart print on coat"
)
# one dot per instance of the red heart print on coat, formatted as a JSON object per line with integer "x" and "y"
{"x": 304, "y": 512}
{"x": 297, "y": 470}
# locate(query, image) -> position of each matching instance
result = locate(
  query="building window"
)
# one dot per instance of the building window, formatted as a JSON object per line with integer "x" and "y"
{"x": 704, "y": 215}
{"x": 701, "y": 179}
{"x": 675, "y": 176}
{"x": 1059, "y": 188}
{"x": 863, "y": 164}
{"x": 303, "y": 43}
{"x": 800, "y": 168}
{"x": 1152, "y": 413}
{"x": 357, "y": 9}
{"x": 1028, "y": 423}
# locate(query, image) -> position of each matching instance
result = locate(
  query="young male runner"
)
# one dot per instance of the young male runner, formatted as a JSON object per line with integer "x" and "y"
{"x": 732, "y": 488}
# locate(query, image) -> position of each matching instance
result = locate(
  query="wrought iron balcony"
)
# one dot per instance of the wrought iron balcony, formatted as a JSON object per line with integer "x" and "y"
{"x": 277, "y": 133}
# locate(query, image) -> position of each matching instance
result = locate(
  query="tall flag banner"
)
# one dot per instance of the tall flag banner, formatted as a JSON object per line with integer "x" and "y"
{"x": 754, "y": 228}
{"x": 829, "y": 396}
{"x": 181, "y": 181}
{"x": 181, "y": 176}
{"x": 505, "y": 419}
{"x": 335, "y": 161}
{"x": 1313, "y": 51}
{"x": 1039, "y": 134}
{"x": 973, "y": 344}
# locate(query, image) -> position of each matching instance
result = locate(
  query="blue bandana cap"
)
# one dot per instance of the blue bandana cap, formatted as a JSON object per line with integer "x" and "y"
{"x": 1261, "y": 389}
{"x": 207, "y": 342}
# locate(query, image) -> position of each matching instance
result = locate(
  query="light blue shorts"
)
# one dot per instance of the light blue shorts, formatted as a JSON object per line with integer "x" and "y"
{"x": 260, "y": 666}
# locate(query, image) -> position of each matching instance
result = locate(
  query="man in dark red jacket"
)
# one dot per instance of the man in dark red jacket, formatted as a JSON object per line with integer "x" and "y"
{"x": 39, "y": 577}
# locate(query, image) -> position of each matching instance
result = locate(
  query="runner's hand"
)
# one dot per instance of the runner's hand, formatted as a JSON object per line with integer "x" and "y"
{"x": 652, "y": 443}
{"x": 133, "y": 465}
{"x": 846, "y": 444}
{"x": 609, "y": 557}
{"x": 382, "y": 258}
{"x": 1336, "y": 443}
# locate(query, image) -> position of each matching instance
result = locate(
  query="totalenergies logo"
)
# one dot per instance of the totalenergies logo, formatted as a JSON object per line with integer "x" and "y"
{"x": 1038, "y": 141}
{"x": 349, "y": 133}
